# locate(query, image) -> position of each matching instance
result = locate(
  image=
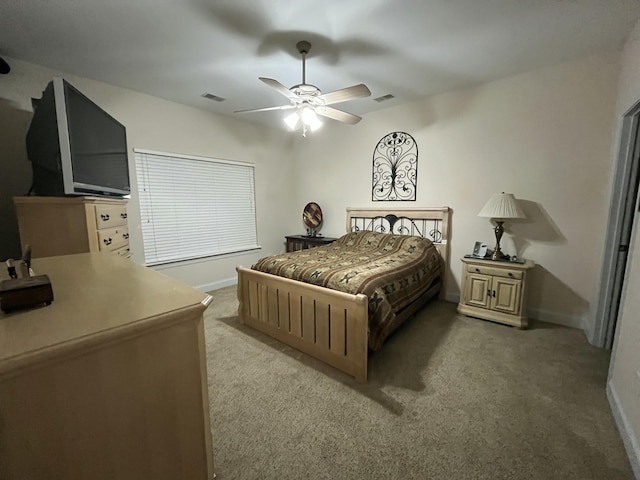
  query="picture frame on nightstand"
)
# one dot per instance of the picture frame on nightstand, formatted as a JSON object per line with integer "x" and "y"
{"x": 479, "y": 250}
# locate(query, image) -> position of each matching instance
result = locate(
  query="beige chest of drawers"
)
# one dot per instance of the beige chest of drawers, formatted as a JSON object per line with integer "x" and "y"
{"x": 495, "y": 291}
{"x": 66, "y": 225}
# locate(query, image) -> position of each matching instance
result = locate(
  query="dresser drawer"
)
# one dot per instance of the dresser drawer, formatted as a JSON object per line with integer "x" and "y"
{"x": 495, "y": 272}
{"x": 113, "y": 238}
{"x": 108, "y": 216}
{"x": 123, "y": 251}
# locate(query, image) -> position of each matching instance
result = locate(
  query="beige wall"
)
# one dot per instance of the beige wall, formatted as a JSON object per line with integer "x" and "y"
{"x": 544, "y": 136}
{"x": 624, "y": 374}
{"x": 155, "y": 124}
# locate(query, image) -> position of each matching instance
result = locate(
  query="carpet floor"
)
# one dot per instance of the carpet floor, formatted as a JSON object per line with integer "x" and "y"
{"x": 449, "y": 397}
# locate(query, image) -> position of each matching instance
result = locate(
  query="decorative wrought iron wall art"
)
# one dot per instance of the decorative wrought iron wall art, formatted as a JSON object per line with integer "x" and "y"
{"x": 395, "y": 168}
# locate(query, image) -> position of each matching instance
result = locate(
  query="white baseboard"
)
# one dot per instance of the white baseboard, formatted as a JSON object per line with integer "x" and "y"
{"x": 629, "y": 438}
{"x": 208, "y": 287}
{"x": 543, "y": 316}
{"x": 557, "y": 318}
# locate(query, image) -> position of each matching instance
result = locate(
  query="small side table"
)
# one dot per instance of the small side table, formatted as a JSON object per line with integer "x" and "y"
{"x": 495, "y": 290}
{"x": 301, "y": 242}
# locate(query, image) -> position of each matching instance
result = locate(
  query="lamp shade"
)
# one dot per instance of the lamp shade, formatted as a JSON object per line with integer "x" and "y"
{"x": 502, "y": 205}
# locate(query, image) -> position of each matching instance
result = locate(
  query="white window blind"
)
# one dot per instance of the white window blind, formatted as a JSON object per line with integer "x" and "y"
{"x": 194, "y": 207}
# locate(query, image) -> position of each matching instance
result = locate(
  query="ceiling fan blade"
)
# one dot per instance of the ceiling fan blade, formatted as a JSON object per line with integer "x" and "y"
{"x": 339, "y": 115}
{"x": 265, "y": 109}
{"x": 344, "y": 94}
{"x": 278, "y": 86}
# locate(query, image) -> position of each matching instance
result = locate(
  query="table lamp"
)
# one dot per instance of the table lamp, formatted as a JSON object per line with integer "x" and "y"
{"x": 500, "y": 207}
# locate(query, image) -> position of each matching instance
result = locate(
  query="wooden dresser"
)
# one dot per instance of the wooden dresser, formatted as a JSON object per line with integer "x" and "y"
{"x": 109, "y": 381}
{"x": 66, "y": 225}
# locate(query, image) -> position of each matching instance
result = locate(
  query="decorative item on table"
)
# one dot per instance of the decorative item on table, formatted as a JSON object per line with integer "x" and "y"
{"x": 312, "y": 218}
{"x": 22, "y": 288}
{"x": 501, "y": 207}
{"x": 479, "y": 250}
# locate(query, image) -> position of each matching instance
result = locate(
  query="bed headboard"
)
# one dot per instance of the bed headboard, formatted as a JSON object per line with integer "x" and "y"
{"x": 432, "y": 223}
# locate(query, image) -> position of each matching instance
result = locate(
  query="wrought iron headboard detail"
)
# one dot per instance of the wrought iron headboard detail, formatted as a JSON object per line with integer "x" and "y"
{"x": 391, "y": 223}
{"x": 429, "y": 222}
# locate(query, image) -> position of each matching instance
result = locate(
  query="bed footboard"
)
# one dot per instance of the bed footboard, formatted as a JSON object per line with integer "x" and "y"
{"x": 330, "y": 326}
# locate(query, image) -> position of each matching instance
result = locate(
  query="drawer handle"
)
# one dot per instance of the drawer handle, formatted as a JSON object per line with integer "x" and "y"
{"x": 510, "y": 274}
{"x": 104, "y": 216}
{"x": 488, "y": 292}
{"x": 494, "y": 294}
{"x": 123, "y": 215}
{"x": 125, "y": 236}
{"x": 107, "y": 241}
{"x": 477, "y": 269}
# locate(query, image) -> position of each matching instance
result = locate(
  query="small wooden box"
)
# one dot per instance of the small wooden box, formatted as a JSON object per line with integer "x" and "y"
{"x": 24, "y": 292}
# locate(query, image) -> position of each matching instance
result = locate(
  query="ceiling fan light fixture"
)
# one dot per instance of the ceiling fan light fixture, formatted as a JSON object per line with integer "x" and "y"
{"x": 292, "y": 120}
{"x": 308, "y": 115}
{"x": 305, "y": 116}
{"x": 309, "y": 118}
{"x": 315, "y": 123}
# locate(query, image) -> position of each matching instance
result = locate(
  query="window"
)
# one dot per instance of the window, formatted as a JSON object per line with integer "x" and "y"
{"x": 194, "y": 207}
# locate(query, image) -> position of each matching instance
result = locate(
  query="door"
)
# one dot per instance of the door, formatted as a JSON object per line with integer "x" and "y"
{"x": 622, "y": 251}
{"x": 505, "y": 295}
{"x": 478, "y": 289}
{"x": 619, "y": 232}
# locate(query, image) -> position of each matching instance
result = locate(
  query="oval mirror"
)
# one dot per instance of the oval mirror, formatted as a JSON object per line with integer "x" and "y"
{"x": 312, "y": 215}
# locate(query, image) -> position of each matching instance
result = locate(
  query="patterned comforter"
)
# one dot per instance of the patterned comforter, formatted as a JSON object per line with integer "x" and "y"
{"x": 392, "y": 270}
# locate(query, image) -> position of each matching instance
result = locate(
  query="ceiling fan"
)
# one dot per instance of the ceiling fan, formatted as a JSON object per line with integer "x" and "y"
{"x": 308, "y": 101}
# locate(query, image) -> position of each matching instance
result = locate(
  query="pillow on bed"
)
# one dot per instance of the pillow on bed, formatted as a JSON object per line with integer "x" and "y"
{"x": 368, "y": 239}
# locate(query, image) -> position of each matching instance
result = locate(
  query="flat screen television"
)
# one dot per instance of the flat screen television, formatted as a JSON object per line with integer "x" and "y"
{"x": 75, "y": 147}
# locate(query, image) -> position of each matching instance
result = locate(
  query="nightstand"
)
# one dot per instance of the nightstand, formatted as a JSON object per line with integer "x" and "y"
{"x": 301, "y": 242}
{"x": 495, "y": 290}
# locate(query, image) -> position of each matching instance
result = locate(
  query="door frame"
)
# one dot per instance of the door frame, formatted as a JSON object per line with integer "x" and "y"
{"x": 611, "y": 279}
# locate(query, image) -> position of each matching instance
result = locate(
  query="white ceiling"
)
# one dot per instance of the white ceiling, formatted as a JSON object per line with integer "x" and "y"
{"x": 180, "y": 49}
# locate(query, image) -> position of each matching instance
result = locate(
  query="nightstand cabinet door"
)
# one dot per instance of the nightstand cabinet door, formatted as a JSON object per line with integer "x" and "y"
{"x": 505, "y": 295}
{"x": 477, "y": 290}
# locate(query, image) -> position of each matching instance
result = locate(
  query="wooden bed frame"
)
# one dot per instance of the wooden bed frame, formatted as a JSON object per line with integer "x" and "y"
{"x": 329, "y": 325}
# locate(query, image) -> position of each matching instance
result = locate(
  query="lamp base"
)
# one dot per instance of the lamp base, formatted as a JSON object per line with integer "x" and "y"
{"x": 496, "y": 254}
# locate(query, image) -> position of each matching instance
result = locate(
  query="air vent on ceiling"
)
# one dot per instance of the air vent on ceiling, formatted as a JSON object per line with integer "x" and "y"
{"x": 211, "y": 96}
{"x": 383, "y": 98}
